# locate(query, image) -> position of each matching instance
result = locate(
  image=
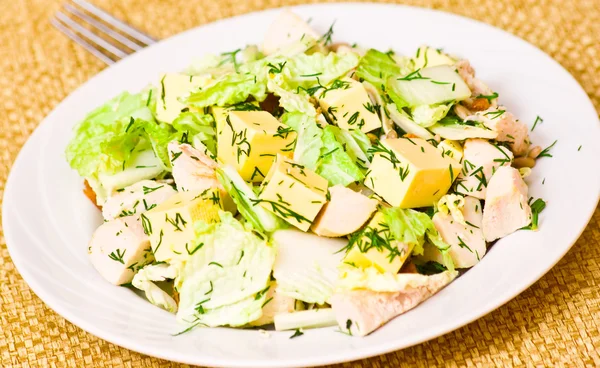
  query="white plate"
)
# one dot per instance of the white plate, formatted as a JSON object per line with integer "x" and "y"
{"x": 48, "y": 221}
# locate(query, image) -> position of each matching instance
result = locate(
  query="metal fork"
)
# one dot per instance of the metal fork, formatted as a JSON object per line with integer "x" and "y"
{"x": 100, "y": 33}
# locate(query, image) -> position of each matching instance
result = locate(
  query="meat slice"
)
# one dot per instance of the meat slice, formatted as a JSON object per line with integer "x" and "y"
{"x": 359, "y": 312}
{"x": 467, "y": 243}
{"x": 509, "y": 129}
{"x": 480, "y": 159}
{"x": 192, "y": 169}
{"x": 119, "y": 248}
{"x": 285, "y": 30}
{"x": 506, "y": 209}
{"x": 136, "y": 199}
{"x": 345, "y": 213}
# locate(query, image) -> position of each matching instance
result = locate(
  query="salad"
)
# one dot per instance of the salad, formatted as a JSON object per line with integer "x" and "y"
{"x": 303, "y": 183}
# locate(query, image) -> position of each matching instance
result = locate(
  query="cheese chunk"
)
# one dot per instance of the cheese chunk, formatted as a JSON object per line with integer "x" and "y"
{"x": 348, "y": 105}
{"x": 170, "y": 225}
{"x": 250, "y": 140}
{"x": 172, "y": 87}
{"x": 376, "y": 248}
{"x": 451, "y": 149}
{"x": 410, "y": 173}
{"x": 428, "y": 57}
{"x": 293, "y": 192}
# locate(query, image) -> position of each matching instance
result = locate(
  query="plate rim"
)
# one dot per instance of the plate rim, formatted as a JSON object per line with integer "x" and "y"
{"x": 323, "y": 359}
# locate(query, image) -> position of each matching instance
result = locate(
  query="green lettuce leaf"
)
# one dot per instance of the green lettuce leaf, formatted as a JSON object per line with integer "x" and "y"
{"x": 309, "y": 138}
{"x": 376, "y": 67}
{"x": 224, "y": 282}
{"x": 243, "y": 196}
{"x": 229, "y": 90}
{"x": 356, "y": 145}
{"x": 413, "y": 227}
{"x": 427, "y": 116}
{"x": 334, "y": 163}
{"x": 197, "y": 127}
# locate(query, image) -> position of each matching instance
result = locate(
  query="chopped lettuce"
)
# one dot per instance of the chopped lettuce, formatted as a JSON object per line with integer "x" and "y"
{"x": 426, "y": 116}
{"x": 334, "y": 163}
{"x": 309, "y": 138}
{"x": 376, "y": 67}
{"x": 144, "y": 280}
{"x": 413, "y": 227}
{"x": 306, "y": 265}
{"x": 198, "y": 128}
{"x": 292, "y": 102}
{"x": 224, "y": 281}
{"x": 245, "y": 199}
{"x": 402, "y": 120}
{"x": 356, "y": 144}
{"x": 229, "y": 90}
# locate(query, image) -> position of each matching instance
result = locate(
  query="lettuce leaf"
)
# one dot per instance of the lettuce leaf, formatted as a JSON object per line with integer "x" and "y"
{"x": 356, "y": 144}
{"x": 334, "y": 163}
{"x": 413, "y": 227}
{"x": 228, "y": 90}
{"x": 376, "y": 67}
{"x": 243, "y": 196}
{"x": 427, "y": 116}
{"x": 309, "y": 138}
{"x": 225, "y": 281}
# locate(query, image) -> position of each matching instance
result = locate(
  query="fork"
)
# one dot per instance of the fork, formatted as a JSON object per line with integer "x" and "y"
{"x": 97, "y": 31}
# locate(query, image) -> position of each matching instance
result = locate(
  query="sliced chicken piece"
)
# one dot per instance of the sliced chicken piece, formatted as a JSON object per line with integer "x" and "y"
{"x": 136, "y": 199}
{"x": 279, "y": 304}
{"x": 336, "y": 220}
{"x": 119, "y": 248}
{"x": 480, "y": 160}
{"x": 285, "y": 30}
{"x": 509, "y": 129}
{"x": 506, "y": 209}
{"x": 359, "y": 312}
{"x": 467, "y": 244}
{"x": 195, "y": 171}
{"x": 192, "y": 169}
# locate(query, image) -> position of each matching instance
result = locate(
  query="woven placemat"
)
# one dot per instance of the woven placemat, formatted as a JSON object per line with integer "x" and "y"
{"x": 556, "y": 322}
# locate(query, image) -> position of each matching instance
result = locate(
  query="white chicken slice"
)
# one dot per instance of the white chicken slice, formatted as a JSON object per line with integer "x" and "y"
{"x": 480, "y": 160}
{"x": 335, "y": 218}
{"x": 285, "y": 30}
{"x": 477, "y": 87}
{"x": 359, "y": 312}
{"x": 192, "y": 169}
{"x": 509, "y": 129}
{"x": 119, "y": 248}
{"x": 506, "y": 209}
{"x": 136, "y": 199}
{"x": 467, "y": 244}
{"x": 278, "y": 303}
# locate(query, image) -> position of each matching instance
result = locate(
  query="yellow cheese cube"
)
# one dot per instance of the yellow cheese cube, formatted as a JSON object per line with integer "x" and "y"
{"x": 170, "y": 225}
{"x": 348, "y": 105}
{"x": 451, "y": 149}
{"x": 172, "y": 87}
{"x": 293, "y": 192}
{"x": 410, "y": 173}
{"x": 250, "y": 140}
{"x": 220, "y": 113}
{"x": 377, "y": 248}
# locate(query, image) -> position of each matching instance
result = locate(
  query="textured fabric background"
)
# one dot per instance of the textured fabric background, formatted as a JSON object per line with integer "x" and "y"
{"x": 556, "y": 322}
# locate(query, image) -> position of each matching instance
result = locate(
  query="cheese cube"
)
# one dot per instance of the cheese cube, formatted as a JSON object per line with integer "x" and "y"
{"x": 293, "y": 192}
{"x": 410, "y": 172}
{"x": 348, "y": 105}
{"x": 170, "y": 225}
{"x": 377, "y": 248}
{"x": 172, "y": 87}
{"x": 451, "y": 149}
{"x": 250, "y": 140}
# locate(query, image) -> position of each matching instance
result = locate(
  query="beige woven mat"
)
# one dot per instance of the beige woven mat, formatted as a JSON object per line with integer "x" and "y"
{"x": 554, "y": 323}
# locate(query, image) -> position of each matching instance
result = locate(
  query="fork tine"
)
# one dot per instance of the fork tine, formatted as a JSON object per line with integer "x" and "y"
{"x": 91, "y": 36}
{"x": 101, "y": 27}
{"x": 122, "y": 26}
{"x": 80, "y": 41}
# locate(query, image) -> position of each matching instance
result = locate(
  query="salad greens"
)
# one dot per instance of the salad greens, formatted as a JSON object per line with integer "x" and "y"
{"x": 312, "y": 179}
